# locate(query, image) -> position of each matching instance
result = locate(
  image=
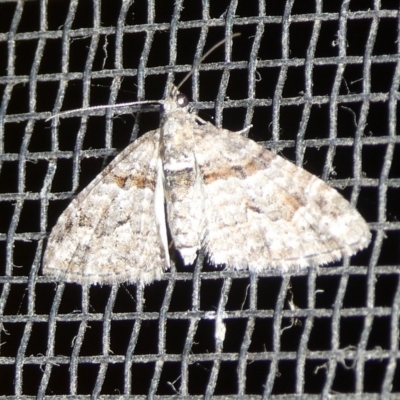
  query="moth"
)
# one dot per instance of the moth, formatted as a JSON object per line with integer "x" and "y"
{"x": 190, "y": 186}
{"x": 211, "y": 189}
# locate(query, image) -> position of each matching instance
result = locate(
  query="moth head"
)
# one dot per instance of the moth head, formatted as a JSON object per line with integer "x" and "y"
{"x": 175, "y": 100}
{"x": 181, "y": 100}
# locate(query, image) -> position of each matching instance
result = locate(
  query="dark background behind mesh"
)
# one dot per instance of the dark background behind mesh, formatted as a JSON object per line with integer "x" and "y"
{"x": 319, "y": 82}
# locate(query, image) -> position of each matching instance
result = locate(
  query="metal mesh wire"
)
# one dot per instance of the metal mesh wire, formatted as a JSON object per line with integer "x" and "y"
{"x": 319, "y": 83}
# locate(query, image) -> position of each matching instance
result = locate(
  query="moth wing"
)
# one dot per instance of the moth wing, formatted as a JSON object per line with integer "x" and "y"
{"x": 263, "y": 212}
{"x": 109, "y": 232}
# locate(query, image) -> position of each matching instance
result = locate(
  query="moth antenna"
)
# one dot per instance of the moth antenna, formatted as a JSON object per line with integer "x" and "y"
{"x": 204, "y": 57}
{"x": 103, "y": 107}
{"x": 122, "y": 105}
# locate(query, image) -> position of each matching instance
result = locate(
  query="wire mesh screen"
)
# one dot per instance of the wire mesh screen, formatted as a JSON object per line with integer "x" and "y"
{"x": 318, "y": 81}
